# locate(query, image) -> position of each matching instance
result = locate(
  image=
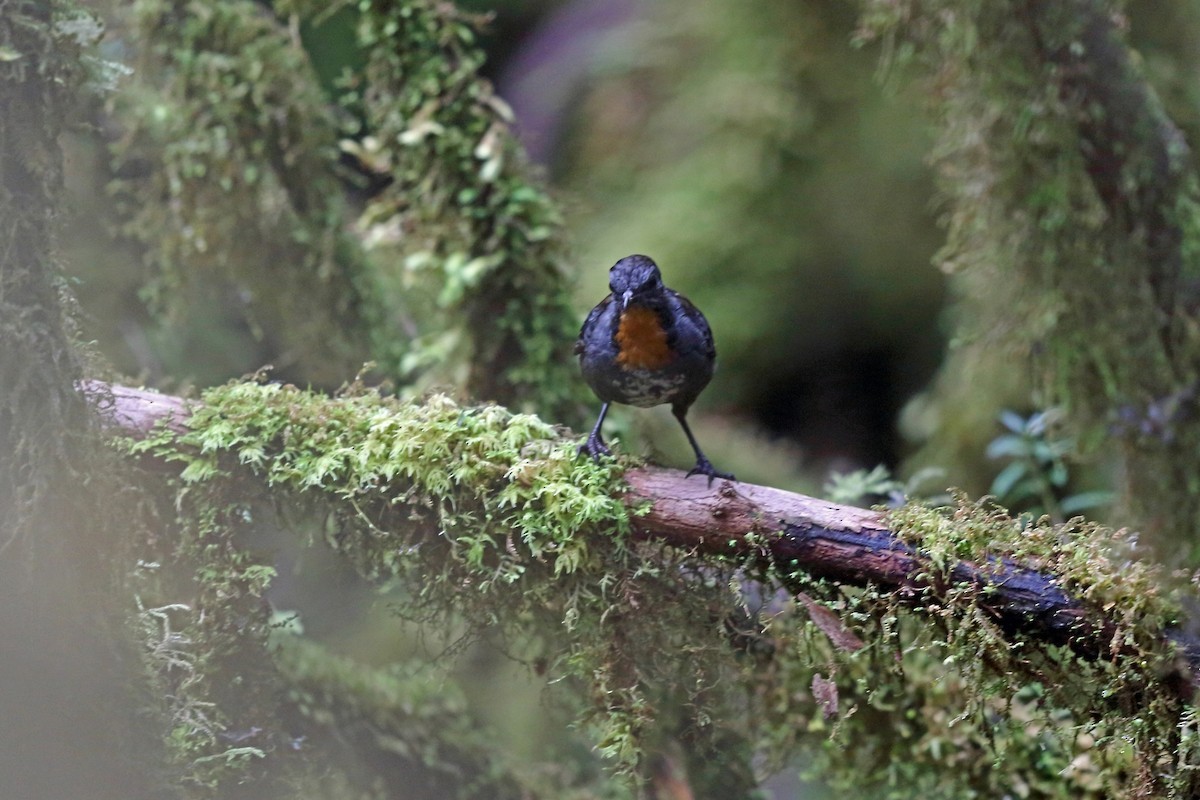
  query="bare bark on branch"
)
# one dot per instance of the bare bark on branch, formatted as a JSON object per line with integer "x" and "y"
{"x": 135, "y": 412}
{"x": 854, "y": 546}
{"x": 788, "y": 531}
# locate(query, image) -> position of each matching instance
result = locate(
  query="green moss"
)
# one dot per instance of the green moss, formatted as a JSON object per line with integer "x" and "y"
{"x": 1110, "y": 722}
{"x": 487, "y": 519}
{"x": 244, "y": 188}
{"x": 942, "y": 700}
{"x": 476, "y": 235}
{"x": 456, "y": 466}
{"x": 484, "y": 518}
{"x": 1095, "y": 564}
{"x": 1068, "y": 271}
{"x": 451, "y": 276}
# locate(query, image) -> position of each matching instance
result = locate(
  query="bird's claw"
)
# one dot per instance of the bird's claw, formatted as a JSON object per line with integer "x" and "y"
{"x": 703, "y": 467}
{"x": 594, "y": 447}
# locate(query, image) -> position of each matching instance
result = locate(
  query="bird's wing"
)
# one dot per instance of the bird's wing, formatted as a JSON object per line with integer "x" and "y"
{"x": 693, "y": 315}
{"x": 592, "y": 317}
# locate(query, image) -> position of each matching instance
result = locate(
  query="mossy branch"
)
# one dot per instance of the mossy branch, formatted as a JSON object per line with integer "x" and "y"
{"x": 1088, "y": 602}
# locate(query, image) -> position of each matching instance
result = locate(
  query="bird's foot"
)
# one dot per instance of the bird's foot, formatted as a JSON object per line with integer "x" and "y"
{"x": 704, "y": 467}
{"x": 595, "y": 447}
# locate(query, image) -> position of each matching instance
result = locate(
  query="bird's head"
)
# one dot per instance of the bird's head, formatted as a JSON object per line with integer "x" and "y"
{"x": 635, "y": 277}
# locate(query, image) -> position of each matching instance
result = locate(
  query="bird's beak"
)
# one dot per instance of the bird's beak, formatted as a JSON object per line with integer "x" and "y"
{"x": 625, "y": 299}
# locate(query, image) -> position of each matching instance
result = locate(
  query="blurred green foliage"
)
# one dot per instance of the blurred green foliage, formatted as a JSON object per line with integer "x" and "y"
{"x": 466, "y": 237}
{"x": 1036, "y": 478}
{"x": 226, "y": 175}
{"x": 1074, "y": 254}
{"x": 878, "y": 486}
{"x": 780, "y": 187}
{"x": 67, "y": 728}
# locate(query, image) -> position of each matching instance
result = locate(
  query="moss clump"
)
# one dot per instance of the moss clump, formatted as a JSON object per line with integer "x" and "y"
{"x": 1071, "y": 232}
{"x": 1095, "y": 564}
{"x": 476, "y": 235}
{"x": 244, "y": 189}
{"x": 462, "y": 474}
{"x": 940, "y": 699}
{"x": 488, "y": 522}
{"x": 485, "y": 519}
{"x": 1117, "y": 718}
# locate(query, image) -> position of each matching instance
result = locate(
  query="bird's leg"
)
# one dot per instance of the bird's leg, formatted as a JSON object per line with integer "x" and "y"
{"x": 594, "y": 445}
{"x": 703, "y": 465}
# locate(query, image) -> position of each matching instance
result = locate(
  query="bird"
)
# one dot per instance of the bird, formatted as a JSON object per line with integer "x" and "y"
{"x": 646, "y": 345}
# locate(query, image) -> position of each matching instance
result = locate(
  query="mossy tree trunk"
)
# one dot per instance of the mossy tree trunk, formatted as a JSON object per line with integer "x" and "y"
{"x": 62, "y": 678}
{"x": 1073, "y": 233}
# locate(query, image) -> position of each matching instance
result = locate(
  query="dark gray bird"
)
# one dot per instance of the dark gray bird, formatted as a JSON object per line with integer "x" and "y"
{"x": 645, "y": 345}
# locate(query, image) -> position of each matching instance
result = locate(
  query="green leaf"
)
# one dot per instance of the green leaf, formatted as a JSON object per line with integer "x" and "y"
{"x": 1013, "y": 421}
{"x": 1008, "y": 447}
{"x": 1085, "y": 500}
{"x": 1003, "y": 484}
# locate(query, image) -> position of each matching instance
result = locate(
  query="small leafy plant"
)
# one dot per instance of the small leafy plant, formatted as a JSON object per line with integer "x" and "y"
{"x": 1036, "y": 480}
{"x": 880, "y": 486}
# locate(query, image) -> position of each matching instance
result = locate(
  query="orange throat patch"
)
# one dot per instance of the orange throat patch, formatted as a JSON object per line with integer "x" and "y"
{"x": 642, "y": 340}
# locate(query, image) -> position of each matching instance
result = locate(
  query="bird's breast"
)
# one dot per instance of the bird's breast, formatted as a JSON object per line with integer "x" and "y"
{"x": 642, "y": 340}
